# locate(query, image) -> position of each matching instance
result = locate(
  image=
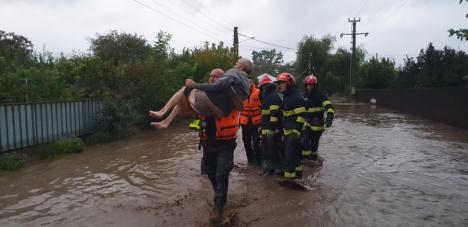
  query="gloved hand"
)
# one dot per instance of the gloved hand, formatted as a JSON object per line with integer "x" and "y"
{"x": 329, "y": 120}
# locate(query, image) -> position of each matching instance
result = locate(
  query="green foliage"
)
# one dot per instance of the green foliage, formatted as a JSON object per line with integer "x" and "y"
{"x": 117, "y": 117}
{"x": 62, "y": 146}
{"x": 267, "y": 61}
{"x": 377, "y": 73}
{"x": 461, "y": 34}
{"x": 435, "y": 68}
{"x": 288, "y": 67}
{"x": 120, "y": 48}
{"x": 332, "y": 84}
{"x": 12, "y": 161}
{"x": 211, "y": 56}
{"x": 315, "y": 53}
{"x": 15, "y": 51}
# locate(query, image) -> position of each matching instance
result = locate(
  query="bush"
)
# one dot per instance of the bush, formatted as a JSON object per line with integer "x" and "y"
{"x": 116, "y": 119}
{"x": 62, "y": 146}
{"x": 12, "y": 161}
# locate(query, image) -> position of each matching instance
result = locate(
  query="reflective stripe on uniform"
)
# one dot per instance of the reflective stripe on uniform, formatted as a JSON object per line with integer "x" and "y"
{"x": 288, "y": 113}
{"x": 326, "y": 102}
{"x": 307, "y": 153}
{"x": 195, "y": 124}
{"x": 300, "y": 119}
{"x": 269, "y": 132}
{"x": 330, "y": 110}
{"x": 289, "y": 174}
{"x": 314, "y": 109}
{"x": 274, "y": 107}
{"x": 299, "y": 110}
{"x": 299, "y": 168}
{"x": 290, "y": 131}
{"x": 274, "y": 119}
{"x": 317, "y": 128}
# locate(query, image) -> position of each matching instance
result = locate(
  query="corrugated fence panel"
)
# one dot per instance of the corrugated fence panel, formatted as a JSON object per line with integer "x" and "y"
{"x": 23, "y": 125}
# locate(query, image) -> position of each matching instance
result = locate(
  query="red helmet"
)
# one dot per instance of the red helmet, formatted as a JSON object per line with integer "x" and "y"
{"x": 310, "y": 79}
{"x": 286, "y": 77}
{"x": 265, "y": 79}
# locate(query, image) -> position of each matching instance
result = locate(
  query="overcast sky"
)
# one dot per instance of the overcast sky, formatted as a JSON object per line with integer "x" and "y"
{"x": 397, "y": 27}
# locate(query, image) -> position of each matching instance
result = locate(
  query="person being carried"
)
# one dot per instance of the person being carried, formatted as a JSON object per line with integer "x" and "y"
{"x": 216, "y": 99}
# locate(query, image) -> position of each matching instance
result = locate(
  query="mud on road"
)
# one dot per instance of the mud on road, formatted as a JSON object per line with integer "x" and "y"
{"x": 381, "y": 168}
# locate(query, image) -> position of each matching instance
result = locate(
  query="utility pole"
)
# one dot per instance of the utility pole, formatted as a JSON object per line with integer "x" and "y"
{"x": 27, "y": 90}
{"x": 310, "y": 63}
{"x": 352, "y": 76}
{"x": 236, "y": 41}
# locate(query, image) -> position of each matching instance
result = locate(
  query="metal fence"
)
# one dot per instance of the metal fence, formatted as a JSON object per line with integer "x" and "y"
{"x": 28, "y": 124}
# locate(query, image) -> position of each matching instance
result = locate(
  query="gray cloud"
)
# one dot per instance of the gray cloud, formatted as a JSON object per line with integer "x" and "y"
{"x": 397, "y": 27}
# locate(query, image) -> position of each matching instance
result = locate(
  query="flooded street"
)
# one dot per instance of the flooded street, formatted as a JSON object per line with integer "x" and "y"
{"x": 381, "y": 168}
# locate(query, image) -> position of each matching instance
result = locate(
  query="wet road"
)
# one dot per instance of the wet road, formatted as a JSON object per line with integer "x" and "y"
{"x": 381, "y": 168}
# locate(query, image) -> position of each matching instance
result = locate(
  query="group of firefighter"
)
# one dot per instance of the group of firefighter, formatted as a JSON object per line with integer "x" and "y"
{"x": 287, "y": 123}
{"x": 281, "y": 126}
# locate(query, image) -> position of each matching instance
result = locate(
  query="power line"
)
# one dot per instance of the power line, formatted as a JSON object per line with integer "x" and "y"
{"x": 208, "y": 18}
{"x": 178, "y": 15}
{"x": 264, "y": 48}
{"x": 174, "y": 19}
{"x": 268, "y": 43}
{"x": 398, "y": 8}
{"x": 215, "y": 20}
{"x": 362, "y": 7}
{"x": 376, "y": 12}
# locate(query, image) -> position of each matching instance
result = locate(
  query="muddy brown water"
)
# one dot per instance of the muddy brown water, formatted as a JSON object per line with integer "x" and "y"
{"x": 381, "y": 168}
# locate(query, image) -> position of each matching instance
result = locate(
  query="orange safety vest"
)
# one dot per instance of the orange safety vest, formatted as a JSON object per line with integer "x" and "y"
{"x": 252, "y": 108}
{"x": 226, "y": 127}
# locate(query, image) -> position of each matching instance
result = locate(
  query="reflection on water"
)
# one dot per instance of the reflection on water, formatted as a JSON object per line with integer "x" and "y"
{"x": 382, "y": 168}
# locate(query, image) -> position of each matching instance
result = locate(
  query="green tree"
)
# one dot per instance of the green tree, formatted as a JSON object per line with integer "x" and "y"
{"x": 314, "y": 52}
{"x": 267, "y": 61}
{"x": 462, "y": 33}
{"x": 212, "y": 56}
{"x": 377, "y": 73}
{"x": 120, "y": 48}
{"x": 15, "y": 51}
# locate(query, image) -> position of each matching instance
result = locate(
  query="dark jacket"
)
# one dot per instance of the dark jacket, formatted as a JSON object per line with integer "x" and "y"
{"x": 229, "y": 92}
{"x": 316, "y": 104}
{"x": 293, "y": 111}
{"x": 272, "y": 110}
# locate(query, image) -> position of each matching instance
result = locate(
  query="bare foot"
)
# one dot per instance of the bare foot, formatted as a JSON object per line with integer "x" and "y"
{"x": 159, "y": 124}
{"x": 156, "y": 114}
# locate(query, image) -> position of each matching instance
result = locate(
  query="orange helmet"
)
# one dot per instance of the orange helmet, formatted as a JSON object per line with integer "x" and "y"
{"x": 286, "y": 77}
{"x": 310, "y": 79}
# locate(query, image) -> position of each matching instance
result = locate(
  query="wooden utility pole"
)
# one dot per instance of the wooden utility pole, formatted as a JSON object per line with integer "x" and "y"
{"x": 236, "y": 41}
{"x": 352, "y": 75}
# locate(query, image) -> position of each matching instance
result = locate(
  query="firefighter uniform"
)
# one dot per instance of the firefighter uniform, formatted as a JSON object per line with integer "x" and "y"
{"x": 271, "y": 130}
{"x": 250, "y": 119}
{"x": 316, "y": 105}
{"x": 293, "y": 124}
{"x": 218, "y": 139}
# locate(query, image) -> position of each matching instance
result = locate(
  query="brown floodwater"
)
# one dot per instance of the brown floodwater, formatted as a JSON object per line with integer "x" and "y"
{"x": 381, "y": 168}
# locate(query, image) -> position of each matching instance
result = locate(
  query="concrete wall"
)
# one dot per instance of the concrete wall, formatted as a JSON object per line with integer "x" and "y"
{"x": 447, "y": 105}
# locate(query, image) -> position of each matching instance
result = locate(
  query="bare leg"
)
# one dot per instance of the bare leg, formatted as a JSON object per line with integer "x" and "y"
{"x": 166, "y": 122}
{"x": 175, "y": 100}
